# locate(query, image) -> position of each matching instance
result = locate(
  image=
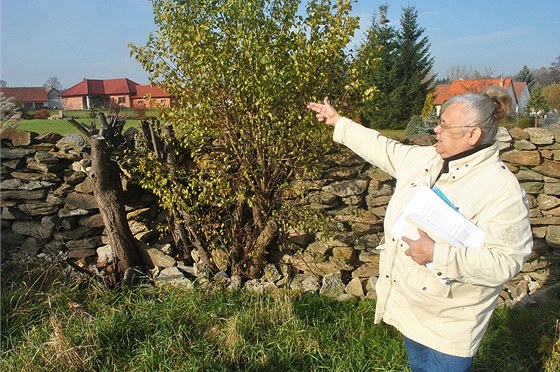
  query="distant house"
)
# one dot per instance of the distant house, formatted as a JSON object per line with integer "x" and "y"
{"x": 34, "y": 98}
{"x": 91, "y": 93}
{"x": 517, "y": 91}
{"x": 522, "y": 94}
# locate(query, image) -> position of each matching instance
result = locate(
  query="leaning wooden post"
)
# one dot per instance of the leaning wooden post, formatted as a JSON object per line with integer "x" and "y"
{"x": 109, "y": 195}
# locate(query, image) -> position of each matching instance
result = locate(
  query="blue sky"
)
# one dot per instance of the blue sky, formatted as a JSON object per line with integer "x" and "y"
{"x": 76, "y": 39}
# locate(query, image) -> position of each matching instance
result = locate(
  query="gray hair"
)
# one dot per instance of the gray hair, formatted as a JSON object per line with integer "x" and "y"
{"x": 483, "y": 110}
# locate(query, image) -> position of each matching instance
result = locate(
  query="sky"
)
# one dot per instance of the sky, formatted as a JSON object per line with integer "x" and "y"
{"x": 76, "y": 39}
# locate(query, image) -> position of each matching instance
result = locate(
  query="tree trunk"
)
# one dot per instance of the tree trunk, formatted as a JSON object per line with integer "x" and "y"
{"x": 109, "y": 196}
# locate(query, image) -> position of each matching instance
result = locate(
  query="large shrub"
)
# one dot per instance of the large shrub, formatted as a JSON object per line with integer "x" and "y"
{"x": 242, "y": 72}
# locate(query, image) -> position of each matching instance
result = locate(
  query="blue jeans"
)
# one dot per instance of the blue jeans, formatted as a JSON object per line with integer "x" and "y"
{"x": 424, "y": 359}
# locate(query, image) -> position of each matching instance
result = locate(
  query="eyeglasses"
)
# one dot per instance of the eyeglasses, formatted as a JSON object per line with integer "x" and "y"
{"x": 445, "y": 127}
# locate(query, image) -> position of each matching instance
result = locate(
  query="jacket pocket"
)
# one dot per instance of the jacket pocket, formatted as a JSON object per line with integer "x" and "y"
{"x": 422, "y": 282}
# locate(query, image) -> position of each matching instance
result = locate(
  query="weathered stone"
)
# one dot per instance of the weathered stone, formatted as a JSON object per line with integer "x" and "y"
{"x": 155, "y": 257}
{"x": 95, "y": 220}
{"x": 360, "y": 228}
{"x": 343, "y": 173}
{"x": 356, "y": 287}
{"x": 86, "y": 186}
{"x": 551, "y": 188}
{"x": 78, "y": 233}
{"x": 29, "y": 176}
{"x": 332, "y": 286}
{"x": 532, "y": 187}
{"x": 548, "y": 168}
{"x": 529, "y": 158}
{"x": 528, "y": 175}
{"x": 524, "y": 145}
{"x": 17, "y": 137}
{"x": 9, "y": 213}
{"x": 324, "y": 199}
{"x": 76, "y": 200}
{"x": 366, "y": 270}
{"x": 518, "y": 134}
{"x": 14, "y": 153}
{"x": 553, "y": 236}
{"x": 369, "y": 256}
{"x": 31, "y": 228}
{"x": 301, "y": 239}
{"x": 378, "y": 174}
{"x": 17, "y": 184}
{"x": 539, "y": 221}
{"x": 37, "y": 208}
{"x": 49, "y": 137}
{"x": 93, "y": 242}
{"x": 46, "y": 168}
{"x": 376, "y": 201}
{"x": 72, "y": 141}
{"x": 75, "y": 178}
{"x": 348, "y": 187}
{"x": 57, "y": 200}
{"x": 344, "y": 255}
{"x": 353, "y": 200}
{"x": 23, "y": 194}
{"x": 271, "y": 274}
{"x": 551, "y": 212}
{"x": 220, "y": 258}
{"x": 540, "y": 136}
{"x": 50, "y": 222}
{"x": 46, "y": 158}
{"x": 366, "y": 241}
{"x": 64, "y": 213}
{"x": 174, "y": 277}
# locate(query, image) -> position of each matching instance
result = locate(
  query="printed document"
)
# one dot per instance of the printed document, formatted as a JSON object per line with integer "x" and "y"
{"x": 428, "y": 212}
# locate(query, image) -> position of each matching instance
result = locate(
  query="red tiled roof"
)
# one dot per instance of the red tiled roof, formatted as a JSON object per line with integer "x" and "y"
{"x": 463, "y": 86}
{"x": 519, "y": 87}
{"x": 90, "y": 87}
{"x": 30, "y": 94}
{"x": 153, "y": 90}
{"x": 440, "y": 95}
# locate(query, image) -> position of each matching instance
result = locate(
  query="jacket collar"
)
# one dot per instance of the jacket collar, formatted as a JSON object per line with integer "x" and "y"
{"x": 469, "y": 156}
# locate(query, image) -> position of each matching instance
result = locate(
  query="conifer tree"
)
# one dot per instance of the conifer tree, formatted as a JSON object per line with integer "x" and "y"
{"x": 525, "y": 75}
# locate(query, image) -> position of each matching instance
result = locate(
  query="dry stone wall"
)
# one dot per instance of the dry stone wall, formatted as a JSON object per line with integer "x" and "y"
{"x": 48, "y": 211}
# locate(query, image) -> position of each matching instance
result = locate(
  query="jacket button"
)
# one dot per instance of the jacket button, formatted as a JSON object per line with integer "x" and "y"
{"x": 393, "y": 239}
{"x": 386, "y": 276}
{"x": 426, "y": 170}
{"x": 424, "y": 288}
{"x": 439, "y": 274}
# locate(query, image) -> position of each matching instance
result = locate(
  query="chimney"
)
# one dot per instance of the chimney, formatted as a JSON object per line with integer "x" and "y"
{"x": 502, "y": 81}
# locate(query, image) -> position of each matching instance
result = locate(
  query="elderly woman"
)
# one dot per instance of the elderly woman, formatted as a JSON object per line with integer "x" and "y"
{"x": 443, "y": 312}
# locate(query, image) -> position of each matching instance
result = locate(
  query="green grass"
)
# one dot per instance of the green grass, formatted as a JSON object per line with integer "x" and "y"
{"x": 59, "y": 126}
{"x": 176, "y": 329}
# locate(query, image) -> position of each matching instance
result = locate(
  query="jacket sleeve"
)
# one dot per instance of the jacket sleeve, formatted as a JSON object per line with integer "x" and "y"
{"x": 387, "y": 154}
{"x": 507, "y": 245}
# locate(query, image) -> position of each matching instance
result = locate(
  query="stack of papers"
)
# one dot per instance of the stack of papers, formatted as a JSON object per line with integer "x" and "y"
{"x": 443, "y": 223}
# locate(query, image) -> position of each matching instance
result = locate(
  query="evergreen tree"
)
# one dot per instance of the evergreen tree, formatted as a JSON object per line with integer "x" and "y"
{"x": 376, "y": 67}
{"x": 398, "y": 64}
{"x": 413, "y": 66}
{"x": 525, "y": 75}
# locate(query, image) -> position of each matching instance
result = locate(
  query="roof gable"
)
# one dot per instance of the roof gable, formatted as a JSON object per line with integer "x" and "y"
{"x": 153, "y": 90}
{"x": 458, "y": 87}
{"x": 92, "y": 87}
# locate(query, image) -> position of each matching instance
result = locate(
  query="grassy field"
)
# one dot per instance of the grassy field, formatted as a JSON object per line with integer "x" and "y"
{"x": 59, "y": 126}
{"x": 94, "y": 328}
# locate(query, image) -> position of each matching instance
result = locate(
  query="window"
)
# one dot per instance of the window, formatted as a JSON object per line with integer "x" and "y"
{"x": 121, "y": 100}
